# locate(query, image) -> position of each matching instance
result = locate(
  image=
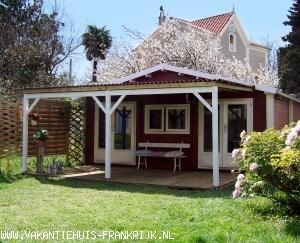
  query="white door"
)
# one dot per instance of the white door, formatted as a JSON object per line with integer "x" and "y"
{"x": 234, "y": 117}
{"x": 123, "y": 135}
{"x": 237, "y": 116}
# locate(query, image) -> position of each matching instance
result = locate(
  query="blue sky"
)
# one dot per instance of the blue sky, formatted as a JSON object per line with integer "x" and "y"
{"x": 260, "y": 18}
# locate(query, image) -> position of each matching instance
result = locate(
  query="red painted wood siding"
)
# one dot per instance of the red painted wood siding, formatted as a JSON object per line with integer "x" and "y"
{"x": 164, "y": 76}
{"x": 296, "y": 110}
{"x": 163, "y": 163}
{"x": 191, "y": 162}
{"x": 281, "y": 112}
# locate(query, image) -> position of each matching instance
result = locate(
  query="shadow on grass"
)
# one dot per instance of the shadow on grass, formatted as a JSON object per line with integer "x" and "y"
{"x": 136, "y": 188}
{"x": 292, "y": 227}
{"x": 9, "y": 178}
{"x": 268, "y": 209}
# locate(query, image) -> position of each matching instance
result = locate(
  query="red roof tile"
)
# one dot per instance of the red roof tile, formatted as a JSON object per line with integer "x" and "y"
{"x": 213, "y": 24}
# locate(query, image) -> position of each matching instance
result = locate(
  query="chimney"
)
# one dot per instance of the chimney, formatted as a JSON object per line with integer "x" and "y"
{"x": 162, "y": 17}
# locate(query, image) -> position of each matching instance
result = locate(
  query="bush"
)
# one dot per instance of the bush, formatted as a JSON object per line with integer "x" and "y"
{"x": 270, "y": 161}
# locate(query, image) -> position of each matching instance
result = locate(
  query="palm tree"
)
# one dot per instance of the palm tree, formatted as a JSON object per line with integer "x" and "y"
{"x": 96, "y": 42}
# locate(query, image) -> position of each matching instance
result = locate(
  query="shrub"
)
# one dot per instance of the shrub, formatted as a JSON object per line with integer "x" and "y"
{"x": 270, "y": 161}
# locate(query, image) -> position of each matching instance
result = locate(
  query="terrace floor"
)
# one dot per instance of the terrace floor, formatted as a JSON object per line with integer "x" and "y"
{"x": 120, "y": 174}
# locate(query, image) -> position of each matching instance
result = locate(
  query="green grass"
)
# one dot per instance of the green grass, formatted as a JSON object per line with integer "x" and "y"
{"x": 191, "y": 216}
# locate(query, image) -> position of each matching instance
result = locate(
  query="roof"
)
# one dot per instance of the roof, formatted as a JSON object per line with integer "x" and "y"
{"x": 214, "y": 24}
{"x": 198, "y": 77}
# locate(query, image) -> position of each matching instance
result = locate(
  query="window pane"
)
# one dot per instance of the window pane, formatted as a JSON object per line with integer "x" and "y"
{"x": 176, "y": 118}
{"x": 231, "y": 39}
{"x": 101, "y": 140}
{"x": 208, "y": 130}
{"x": 155, "y": 118}
{"x": 237, "y": 122}
{"x": 123, "y": 128}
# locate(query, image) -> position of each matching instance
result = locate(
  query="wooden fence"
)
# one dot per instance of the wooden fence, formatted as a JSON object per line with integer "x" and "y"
{"x": 64, "y": 122}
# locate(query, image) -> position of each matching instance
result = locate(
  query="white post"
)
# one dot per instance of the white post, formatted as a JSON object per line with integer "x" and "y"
{"x": 270, "y": 103}
{"x": 215, "y": 136}
{"x": 25, "y": 134}
{"x": 107, "y": 136}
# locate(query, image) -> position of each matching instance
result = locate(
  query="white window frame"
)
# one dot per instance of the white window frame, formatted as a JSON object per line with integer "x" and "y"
{"x": 147, "y": 116}
{"x": 185, "y": 107}
{"x": 232, "y": 47}
{"x": 164, "y": 120}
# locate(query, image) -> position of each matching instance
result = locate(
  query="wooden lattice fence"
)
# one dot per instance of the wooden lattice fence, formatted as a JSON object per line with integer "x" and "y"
{"x": 10, "y": 128}
{"x": 63, "y": 120}
{"x": 76, "y": 148}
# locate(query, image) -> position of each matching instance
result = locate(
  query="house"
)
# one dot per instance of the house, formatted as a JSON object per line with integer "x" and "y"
{"x": 166, "y": 104}
{"x": 230, "y": 34}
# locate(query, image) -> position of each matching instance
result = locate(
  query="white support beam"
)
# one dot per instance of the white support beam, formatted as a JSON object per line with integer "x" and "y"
{"x": 107, "y": 136}
{"x": 81, "y": 94}
{"x": 215, "y": 136}
{"x": 117, "y": 104}
{"x": 161, "y": 91}
{"x": 25, "y": 135}
{"x": 270, "y": 106}
{"x": 291, "y": 111}
{"x": 203, "y": 101}
{"x": 98, "y": 102}
{"x": 33, "y": 105}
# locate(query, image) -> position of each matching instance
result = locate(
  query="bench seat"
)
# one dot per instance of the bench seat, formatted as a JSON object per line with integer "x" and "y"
{"x": 176, "y": 155}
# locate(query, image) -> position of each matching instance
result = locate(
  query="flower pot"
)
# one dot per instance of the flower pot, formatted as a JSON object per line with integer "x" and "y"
{"x": 34, "y": 122}
{"x": 41, "y": 143}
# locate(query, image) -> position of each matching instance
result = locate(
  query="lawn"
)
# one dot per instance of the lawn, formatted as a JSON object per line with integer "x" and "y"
{"x": 37, "y": 204}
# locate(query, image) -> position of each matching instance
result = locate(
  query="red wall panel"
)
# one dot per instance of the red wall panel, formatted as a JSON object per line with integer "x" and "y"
{"x": 281, "y": 112}
{"x": 296, "y": 114}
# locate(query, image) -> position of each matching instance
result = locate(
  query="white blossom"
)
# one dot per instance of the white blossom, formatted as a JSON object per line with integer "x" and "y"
{"x": 180, "y": 44}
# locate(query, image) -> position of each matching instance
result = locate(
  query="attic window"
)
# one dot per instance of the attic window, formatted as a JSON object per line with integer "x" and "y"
{"x": 232, "y": 42}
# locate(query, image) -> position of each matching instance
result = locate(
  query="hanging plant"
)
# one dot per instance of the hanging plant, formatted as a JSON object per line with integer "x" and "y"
{"x": 35, "y": 118}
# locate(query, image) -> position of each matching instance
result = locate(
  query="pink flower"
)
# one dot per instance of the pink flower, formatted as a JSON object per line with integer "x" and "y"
{"x": 236, "y": 193}
{"x": 241, "y": 178}
{"x": 242, "y": 135}
{"x": 297, "y": 129}
{"x": 247, "y": 140}
{"x": 244, "y": 153}
{"x": 238, "y": 185}
{"x": 287, "y": 148}
{"x": 253, "y": 167}
{"x": 291, "y": 138}
{"x": 235, "y": 153}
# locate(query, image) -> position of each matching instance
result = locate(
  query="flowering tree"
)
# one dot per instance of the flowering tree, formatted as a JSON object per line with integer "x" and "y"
{"x": 271, "y": 162}
{"x": 181, "y": 44}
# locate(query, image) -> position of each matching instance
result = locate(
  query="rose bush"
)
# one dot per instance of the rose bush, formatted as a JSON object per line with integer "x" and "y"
{"x": 270, "y": 161}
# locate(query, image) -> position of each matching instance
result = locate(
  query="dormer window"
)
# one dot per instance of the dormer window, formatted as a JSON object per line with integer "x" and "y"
{"x": 232, "y": 42}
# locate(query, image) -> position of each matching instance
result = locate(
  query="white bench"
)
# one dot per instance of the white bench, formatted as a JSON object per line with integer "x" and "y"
{"x": 176, "y": 155}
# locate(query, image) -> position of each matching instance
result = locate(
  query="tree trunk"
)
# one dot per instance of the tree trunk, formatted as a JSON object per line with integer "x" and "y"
{"x": 94, "y": 79}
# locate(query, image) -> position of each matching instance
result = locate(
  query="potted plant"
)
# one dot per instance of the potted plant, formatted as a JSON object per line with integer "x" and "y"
{"x": 35, "y": 118}
{"x": 41, "y": 136}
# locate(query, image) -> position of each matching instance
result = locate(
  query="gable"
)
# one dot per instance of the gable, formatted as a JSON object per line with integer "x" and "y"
{"x": 240, "y": 45}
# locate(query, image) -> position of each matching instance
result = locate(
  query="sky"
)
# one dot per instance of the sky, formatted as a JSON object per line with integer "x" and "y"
{"x": 261, "y": 19}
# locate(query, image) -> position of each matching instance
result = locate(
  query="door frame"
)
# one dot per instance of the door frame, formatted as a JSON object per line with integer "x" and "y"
{"x": 206, "y": 157}
{"x": 100, "y": 158}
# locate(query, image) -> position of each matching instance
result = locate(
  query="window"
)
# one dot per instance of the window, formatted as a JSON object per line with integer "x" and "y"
{"x": 122, "y": 132}
{"x": 101, "y": 130}
{"x": 232, "y": 42}
{"x": 237, "y": 122}
{"x": 167, "y": 118}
